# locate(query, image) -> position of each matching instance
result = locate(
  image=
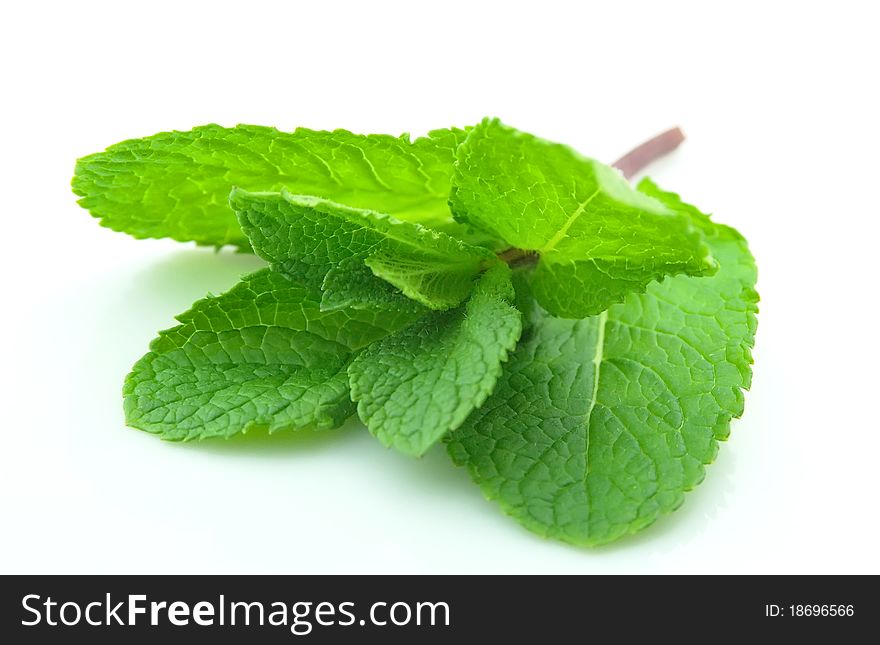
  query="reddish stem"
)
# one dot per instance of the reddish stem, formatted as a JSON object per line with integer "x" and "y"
{"x": 515, "y": 257}
{"x": 651, "y": 150}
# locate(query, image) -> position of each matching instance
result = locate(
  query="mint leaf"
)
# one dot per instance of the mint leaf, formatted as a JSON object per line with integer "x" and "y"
{"x": 598, "y": 238}
{"x": 599, "y": 426}
{"x": 262, "y": 355}
{"x": 345, "y": 251}
{"x": 175, "y": 184}
{"x": 415, "y": 385}
{"x": 589, "y": 427}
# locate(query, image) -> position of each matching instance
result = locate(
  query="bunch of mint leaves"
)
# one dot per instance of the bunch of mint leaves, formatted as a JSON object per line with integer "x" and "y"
{"x": 579, "y": 344}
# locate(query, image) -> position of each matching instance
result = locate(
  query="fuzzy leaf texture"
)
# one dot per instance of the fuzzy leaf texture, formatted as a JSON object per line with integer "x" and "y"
{"x": 598, "y": 426}
{"x": 415, "y": 385}
{"x": 597, "y": 237}
{"x": 263, "y": 355}
{"x": 358, "y": 257}
{"x": 176, "y": 184}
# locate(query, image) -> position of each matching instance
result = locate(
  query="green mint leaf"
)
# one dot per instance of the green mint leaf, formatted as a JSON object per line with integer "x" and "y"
{"x": 175, "y": 184}
{"x": 358, "y": 257}
{"x": 415, "y": 385}
{"x": 598, "y": 238}
{"x": 673, "y": 201}
{"x": 598, "y": 426}
{"x": 262, "y": 355}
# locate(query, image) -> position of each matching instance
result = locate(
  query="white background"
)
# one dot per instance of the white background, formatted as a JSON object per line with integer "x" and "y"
{"x": 780, "y": 105}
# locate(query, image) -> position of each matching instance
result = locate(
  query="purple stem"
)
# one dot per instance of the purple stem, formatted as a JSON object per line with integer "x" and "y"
{"x": 651, "y": 150}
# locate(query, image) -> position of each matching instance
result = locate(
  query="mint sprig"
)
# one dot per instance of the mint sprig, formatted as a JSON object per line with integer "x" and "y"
{"x": 580, "y": 345}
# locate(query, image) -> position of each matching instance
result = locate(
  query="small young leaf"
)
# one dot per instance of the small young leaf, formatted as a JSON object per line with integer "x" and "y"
{"x": 415, "y": 385}
{"x": 175, "y": 184}
{"x": 261, "y": 355}
{"x": 358, "y": 257}
{"x": 598, "y": 426}
{"x": 598, "y": 238}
